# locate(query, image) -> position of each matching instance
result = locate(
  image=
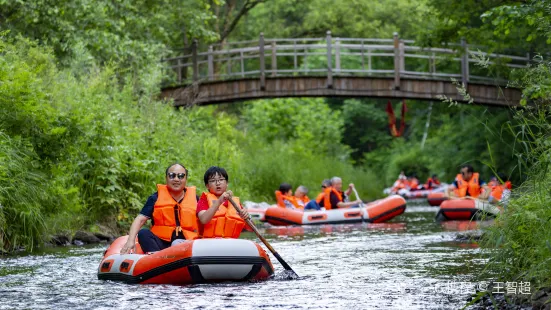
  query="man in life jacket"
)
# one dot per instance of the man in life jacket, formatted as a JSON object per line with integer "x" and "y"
{"x": 335, "y": 198}
{"x": 432, "y": 182}
{"x": 172, "y": 213}
{"x": 301, "y": 196}
{"x": 285, "y": 198}
{"x": 217, "y": 217}
{"x": 467, "y": 183}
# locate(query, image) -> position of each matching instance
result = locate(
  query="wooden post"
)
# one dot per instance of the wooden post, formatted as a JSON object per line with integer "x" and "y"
{"x": 194, "y": 60}
{"x": 242, "y": 64}
{"x": 295, "y": 55}
{"x": 274, "y": 59}
{"x": 210, "y": 64}
{"x": 229, "y": 60}
{"x": 396, "y": 62}
{"x": 305, "y": 61}
{"x": 363, "y": 62}
{"x": 337, "y": 55}
{"x": 464, "y": 63}
{"x": 179, "y": 70}
{"x": 432, "y": 64}
{"x": 262, "y": 63}
{"x": 369, "y": 60}
{"x": 402, "y": 57}
{"x": 329, "y": 64}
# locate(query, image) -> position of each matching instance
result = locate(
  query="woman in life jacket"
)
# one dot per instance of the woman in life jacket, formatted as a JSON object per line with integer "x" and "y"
{"x": 285, "y": 198}
{"x": 217, "y": 217}
{"x": 172, "y": 212}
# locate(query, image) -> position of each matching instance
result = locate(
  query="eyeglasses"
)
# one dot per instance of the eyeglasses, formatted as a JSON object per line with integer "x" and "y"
{"x": 323, "y": 186}
{"x": 172, "y": 175}
{"x": 216, "y": 181}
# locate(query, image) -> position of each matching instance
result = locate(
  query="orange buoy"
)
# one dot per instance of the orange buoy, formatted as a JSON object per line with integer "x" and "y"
{"x": 465, "y": 209}
{"x": 376, "y": 212}
{"x": 435, "y": 199}
{"x": 193, "y": 261}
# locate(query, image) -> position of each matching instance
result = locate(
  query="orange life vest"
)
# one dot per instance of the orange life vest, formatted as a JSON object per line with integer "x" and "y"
{"x": 281, "y": 200}
{"x": 400, "y": 184}
{"x": 327, "y": 197}
{"x": 226, "y": 222}
{"x": 414, "y": 184}
{"x": 430, "y": 183}
{"x": 301, "y": 202}
{"x": 497, "y": 191}
{"x": 169, "y": 215}
{"x": 320, "y": 196}
{"x": 473, "y": 186}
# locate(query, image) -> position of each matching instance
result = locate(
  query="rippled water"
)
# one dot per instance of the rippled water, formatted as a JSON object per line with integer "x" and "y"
{"x": 410, "y": 263}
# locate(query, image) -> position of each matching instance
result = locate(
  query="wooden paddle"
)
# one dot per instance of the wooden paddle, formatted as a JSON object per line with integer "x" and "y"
{"x": 358, "y": 197}
{"x": 251, "y": 224}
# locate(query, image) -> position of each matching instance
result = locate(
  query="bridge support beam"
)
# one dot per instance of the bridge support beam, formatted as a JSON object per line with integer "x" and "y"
{"x": 396, "y": 62}
{"x": 464, "y": 63}
{"x": 329, "y": 62}
{"x": 262, "y": 62}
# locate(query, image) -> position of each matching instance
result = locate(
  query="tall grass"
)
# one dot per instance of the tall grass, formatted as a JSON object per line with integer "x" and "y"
{"x": 521, "y": 236}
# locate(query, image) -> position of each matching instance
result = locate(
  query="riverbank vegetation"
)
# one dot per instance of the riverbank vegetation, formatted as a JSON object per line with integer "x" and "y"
{"x": 84, "y": 136}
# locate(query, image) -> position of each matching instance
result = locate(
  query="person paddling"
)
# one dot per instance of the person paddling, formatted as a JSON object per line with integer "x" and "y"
{"x": 335, "y": 198}
{"x": 172, "y": 213}
{"x": 218, "y": 219}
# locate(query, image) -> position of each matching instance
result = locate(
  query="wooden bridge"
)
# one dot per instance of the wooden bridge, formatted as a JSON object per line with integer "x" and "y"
{"x": 340, "y": 67}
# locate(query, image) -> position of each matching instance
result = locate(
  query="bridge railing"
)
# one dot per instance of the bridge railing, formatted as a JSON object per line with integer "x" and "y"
{"x": 333, "y": 56}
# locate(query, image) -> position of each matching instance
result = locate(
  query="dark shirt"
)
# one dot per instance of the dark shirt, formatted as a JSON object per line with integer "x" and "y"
{"x": 147, "y": 209}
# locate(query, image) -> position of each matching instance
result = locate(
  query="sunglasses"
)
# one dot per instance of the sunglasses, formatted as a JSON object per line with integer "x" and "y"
{"x": 323, "y": 186}
{"x": 216, "y": 181}
{"x": 172, "y": 175}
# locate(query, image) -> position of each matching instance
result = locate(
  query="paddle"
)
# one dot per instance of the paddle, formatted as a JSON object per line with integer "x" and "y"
{"x": 357, "y": 196}
{"x": 251, "y": 224}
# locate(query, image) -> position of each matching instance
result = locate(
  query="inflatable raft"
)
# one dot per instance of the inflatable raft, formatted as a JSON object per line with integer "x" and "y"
{"x": 194, "y": 261}
{"x": 376, "y": 212}
{"x": 435, "y": 199}
{"x": 466, "y": 209}
{"x": 257, "y": 213}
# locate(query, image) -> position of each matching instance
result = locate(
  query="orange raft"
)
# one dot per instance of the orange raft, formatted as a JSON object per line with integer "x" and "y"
{"x": 466, "y": 209}
{"x": 376, "y": 212}
{"x": 190, "y": 262}
{"x": 436, "y": 199}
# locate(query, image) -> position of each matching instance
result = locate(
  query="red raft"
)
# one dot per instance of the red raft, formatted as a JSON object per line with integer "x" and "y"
{"x": 376, "y": 212}
{"x": 190, "y": 262}
{"x": 435, "y": 199}
{"x": 466, "y": 209}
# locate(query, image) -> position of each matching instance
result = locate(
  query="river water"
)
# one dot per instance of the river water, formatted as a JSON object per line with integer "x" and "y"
{"x": 410, "y": 263}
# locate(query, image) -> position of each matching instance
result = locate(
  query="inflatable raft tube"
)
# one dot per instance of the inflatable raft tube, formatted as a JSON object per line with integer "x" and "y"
{"x": 190, "y": 262}
{"x": 376, "y": 212}
{"x": 436, "y": 199}
{"x": 466, "y": 209}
